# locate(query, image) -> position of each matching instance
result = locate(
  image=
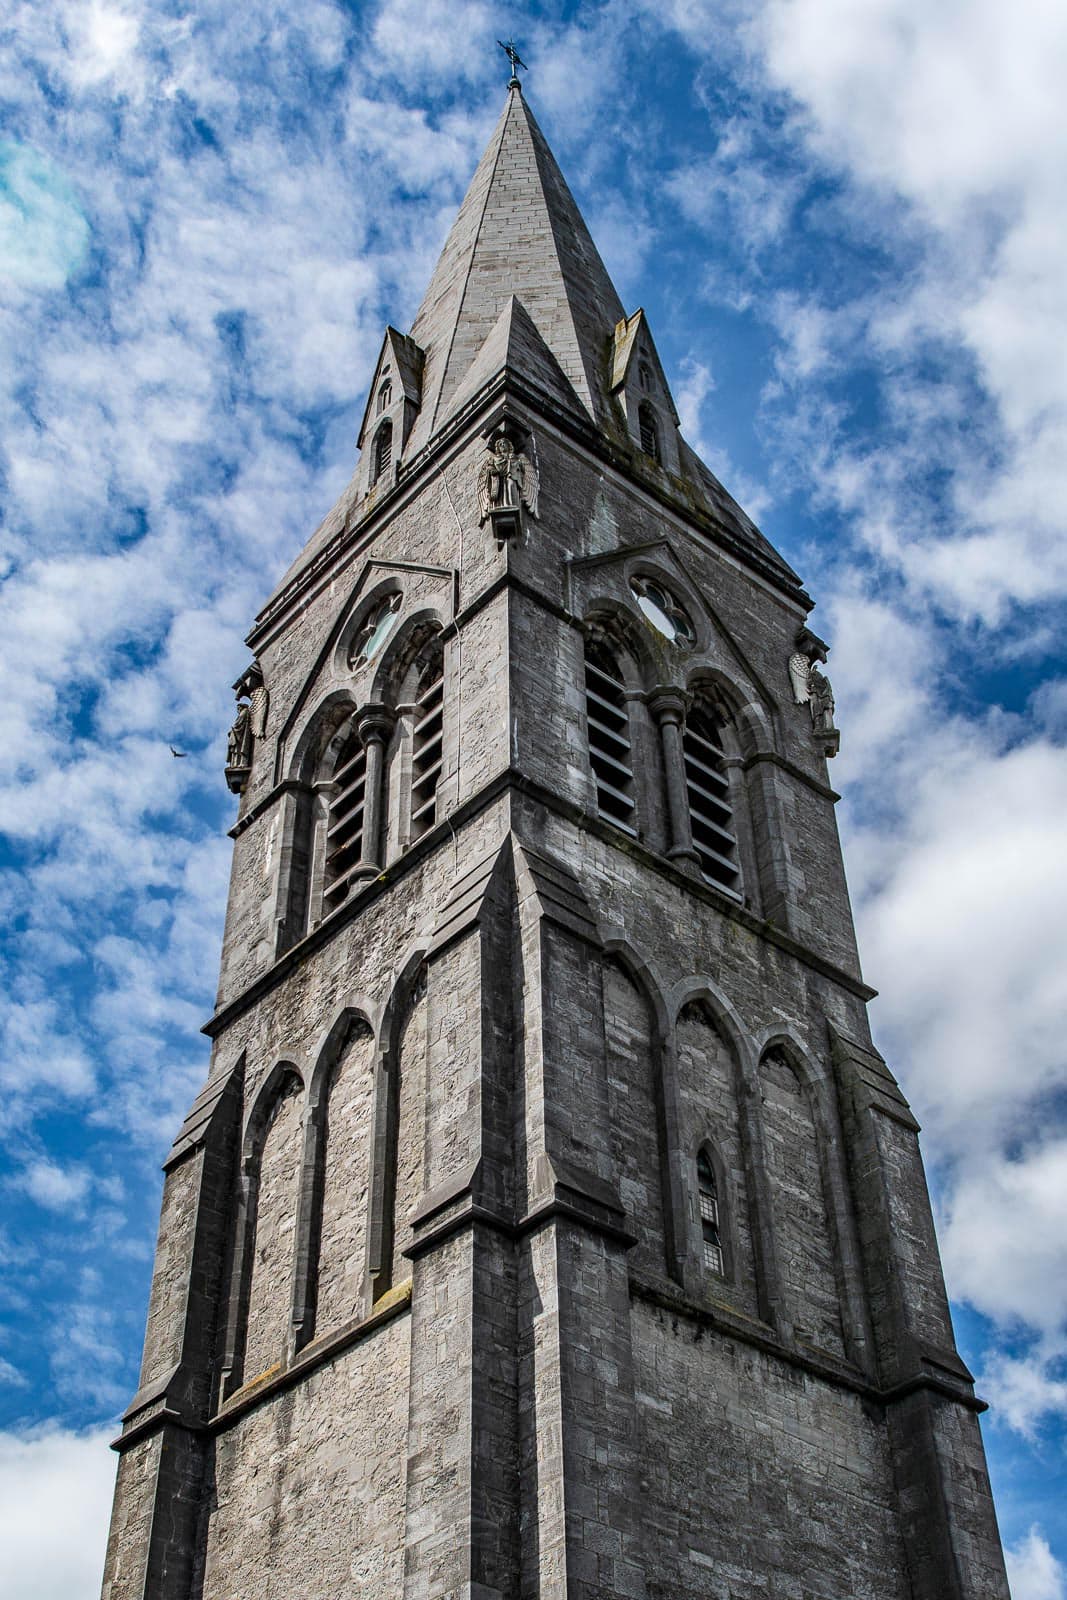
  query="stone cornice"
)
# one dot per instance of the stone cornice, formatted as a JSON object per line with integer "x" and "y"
{"x": 509, "y": 780}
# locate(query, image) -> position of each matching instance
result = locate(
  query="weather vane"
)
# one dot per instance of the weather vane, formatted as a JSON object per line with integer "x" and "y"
{"x": 514, "y": 57}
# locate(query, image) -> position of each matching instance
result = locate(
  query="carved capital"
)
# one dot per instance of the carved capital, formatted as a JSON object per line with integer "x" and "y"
{"x": 668, "y": 706}
{"x": 374, "y": 724}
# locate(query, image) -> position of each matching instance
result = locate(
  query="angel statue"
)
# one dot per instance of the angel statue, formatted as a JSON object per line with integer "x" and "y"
{"x": 811, "y": 687}
{"x": 821, "y": 700}
{"x": 507, "y": 479}
{"x": 800, "y": 665}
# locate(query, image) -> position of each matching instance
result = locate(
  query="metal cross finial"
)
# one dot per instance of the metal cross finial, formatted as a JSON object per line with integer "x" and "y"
{"x": 515, "y": 59}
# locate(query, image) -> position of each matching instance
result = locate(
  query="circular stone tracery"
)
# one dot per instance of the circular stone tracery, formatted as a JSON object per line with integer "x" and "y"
{"x": 377, "y": 626}
{"x": 664, "y": 612}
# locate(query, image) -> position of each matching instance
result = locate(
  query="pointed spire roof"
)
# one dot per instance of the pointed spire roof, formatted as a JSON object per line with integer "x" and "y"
{"x": 520, "y": 288}
{"x": 518, "y": 232}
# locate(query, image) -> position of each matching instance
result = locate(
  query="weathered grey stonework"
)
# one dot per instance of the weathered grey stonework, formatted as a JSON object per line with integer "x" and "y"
{"x": 441, "y": 1307}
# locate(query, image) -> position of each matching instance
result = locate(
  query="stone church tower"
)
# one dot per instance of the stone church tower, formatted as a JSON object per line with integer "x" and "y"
{"x": 549, "y": 1225}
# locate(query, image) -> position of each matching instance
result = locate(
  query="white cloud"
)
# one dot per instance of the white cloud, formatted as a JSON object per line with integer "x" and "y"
{"x": 48, "y": 1555}
{"x": 43, "y": 229}
{"x": 1024, "y": 1390}
{"x": 1033, "y": 1571}
{"x": 62, "y": 1189}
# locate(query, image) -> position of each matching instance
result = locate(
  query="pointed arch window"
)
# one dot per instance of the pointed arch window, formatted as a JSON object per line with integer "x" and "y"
{"x": 708, "y": 791}
{"x": 610, "y": 750}
{"x": 383, "y": 450}
{"x": 649, "y": 429}
{"x": 344, "y": 830}
{"x": 427, "y": 739}
{"x": 385, "y": 396}
{"x": 644, "y": 376}
{"x": 712, "y": 1254}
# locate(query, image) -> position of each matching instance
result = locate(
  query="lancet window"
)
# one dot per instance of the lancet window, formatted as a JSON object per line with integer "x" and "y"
{"x": 710, "y": 1223}
{"x": 383, "y": 450}
{"x": 708, "y": 791}
{"x": 646, "y": 419}
{"x": 385, "y": 396}
{"x": 610, "y": 749}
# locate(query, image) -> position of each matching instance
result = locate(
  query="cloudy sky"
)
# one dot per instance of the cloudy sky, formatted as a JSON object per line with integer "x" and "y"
{"x": 845, "y": 219}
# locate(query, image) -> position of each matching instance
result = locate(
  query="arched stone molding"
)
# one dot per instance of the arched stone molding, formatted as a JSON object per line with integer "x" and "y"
{"x": 702, "y": 989}
{"x": 817, "y": 1081}
{"x": 609, "y": 619}
{"x": 665, "y": 1088}
{"x": 256, "y": 1126}
{"x": 753, "y": 724}
{"x": 414, "y": 631}
{"x": 381, "y": 1226}
{"x": 358, "y": 1010}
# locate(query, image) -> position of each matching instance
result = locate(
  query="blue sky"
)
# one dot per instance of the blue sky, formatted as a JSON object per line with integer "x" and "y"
{"x": 846, "y": 225}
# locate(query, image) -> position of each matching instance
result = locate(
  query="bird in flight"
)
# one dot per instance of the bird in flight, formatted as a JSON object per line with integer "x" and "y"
{"x": 180, "y": 754}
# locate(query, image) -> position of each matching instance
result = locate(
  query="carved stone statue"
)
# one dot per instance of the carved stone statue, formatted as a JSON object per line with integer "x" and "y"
{"x": 800, "y": 677}
{"x": 821, "y": 700}
{"x": 811, "y": 687}
{"x": 239, "y": 745}
{"x": 507, "y": 480}
{"x": 249, "y": 724}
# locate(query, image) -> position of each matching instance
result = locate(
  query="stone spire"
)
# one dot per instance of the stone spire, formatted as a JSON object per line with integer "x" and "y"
{"x": 518, "y": 233}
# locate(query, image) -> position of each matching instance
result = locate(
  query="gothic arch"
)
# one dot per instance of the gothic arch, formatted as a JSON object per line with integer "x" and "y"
{"x": 322, "y": 725}
{"x": 315, "y": 1220}
{"x": 699, "y": 987}
{"x": 304, "y": 813}
{"x": 818, "y": 1084}
{"x": 610, "y": 621}
{"x": 262, "y": 1104}
{"x": 804, "y": 1205}
{"x": 382, "y": 1221}
{"x": 617, "y": 947}
{"x": 754, "y": 731}
{"x": 750, "y": 1222}
{"x": 285, "y": 1075}
{"x": 414, "y": 632}
{"x": 625, "y": 765}
{"x": 744, "y": 733}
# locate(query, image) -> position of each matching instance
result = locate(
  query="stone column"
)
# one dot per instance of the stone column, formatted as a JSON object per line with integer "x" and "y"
{"x": 668, "y": 708}
{"x": 375, "y": 724}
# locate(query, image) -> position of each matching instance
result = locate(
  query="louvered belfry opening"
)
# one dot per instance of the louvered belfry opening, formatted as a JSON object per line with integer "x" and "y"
{"x": 709, "y": 1214}
{"x": 709, "y": 798}
{"x": 344, "y": 831}
{"x": 383, "y": 449}
{"x": 427, "y": 746}
{"x": 610, "y": 752}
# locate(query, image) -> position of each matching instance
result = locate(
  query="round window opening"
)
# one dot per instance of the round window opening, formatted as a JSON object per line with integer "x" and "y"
{"x": 377, "y": 626}
{"x": 660, "y": 608}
